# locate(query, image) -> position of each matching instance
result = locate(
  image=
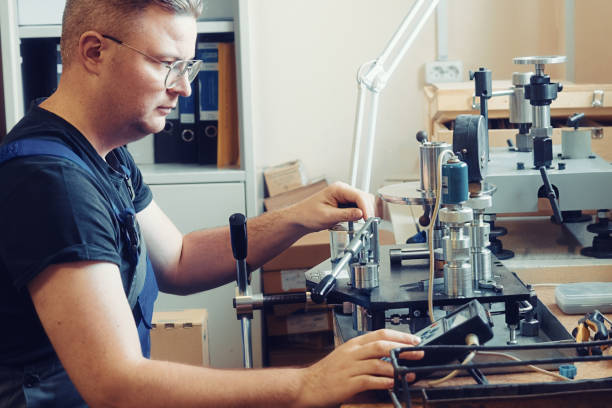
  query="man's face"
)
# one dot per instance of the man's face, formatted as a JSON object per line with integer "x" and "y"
{"x": 138, "y": 96}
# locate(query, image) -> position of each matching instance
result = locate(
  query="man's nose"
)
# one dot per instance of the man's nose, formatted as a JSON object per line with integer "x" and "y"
{"x": 182, "y": 86}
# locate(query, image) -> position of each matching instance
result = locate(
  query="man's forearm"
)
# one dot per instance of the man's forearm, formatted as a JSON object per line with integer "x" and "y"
{"x": 152, "y": 384}
{"x": 207, "y": 261}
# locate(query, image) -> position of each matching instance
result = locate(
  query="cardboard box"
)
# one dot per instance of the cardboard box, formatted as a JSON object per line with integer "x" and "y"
{"x": 302, "y": 349}
{"x": 308, "y": 251}
{"x": 181, "y": 337}
{"x": 284, "y": 177}
{"x": 307, "y": 322}
{"x": 291, "y": 197}
{"x": 291, "y": 357}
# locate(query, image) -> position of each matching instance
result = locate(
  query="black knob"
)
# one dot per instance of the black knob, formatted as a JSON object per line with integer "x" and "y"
{"x": 421, "y": 136}
{"x": 561, "y": 166}
{"x": 238, "y": 233}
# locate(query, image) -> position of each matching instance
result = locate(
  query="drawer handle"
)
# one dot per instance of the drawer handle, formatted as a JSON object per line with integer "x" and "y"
{"x": 475, "y": 105}
{"x": 598, "y": 98}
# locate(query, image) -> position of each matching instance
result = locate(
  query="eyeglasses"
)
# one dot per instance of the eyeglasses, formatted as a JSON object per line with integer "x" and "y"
{"x": 176, "y": 70}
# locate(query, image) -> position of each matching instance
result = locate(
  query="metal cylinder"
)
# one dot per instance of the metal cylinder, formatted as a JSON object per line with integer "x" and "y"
{"x": 480, "y": 256}
{"x": 362, "y": 320}
{"x": 576, "y": 144}
{"x": 364, "y": 276}
{"x": 455, "y": 182}
{"x": 338, "y": 240}
{"x": 481, "y": 264}
{"x": 428, "y": 160}
{"x": 524, "y": 142}
{"x": 541, "y": 116}
{"x": 520, "y": 108}
{"x": 458, "y": 279}
{"x": 456, "y": 246}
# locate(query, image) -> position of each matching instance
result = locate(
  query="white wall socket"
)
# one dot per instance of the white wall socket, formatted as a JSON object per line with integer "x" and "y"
{"x": 443, "y": 71}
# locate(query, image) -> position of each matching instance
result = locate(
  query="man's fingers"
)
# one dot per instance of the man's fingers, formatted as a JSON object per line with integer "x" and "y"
{"x": 374, "y": 366}
{"x": 382, "y": 348}
{"x": 344, "y": 193}
{"x": 350, "y": 214}
{"x": 386, "y": 334}
{"x": 370, "y": 382}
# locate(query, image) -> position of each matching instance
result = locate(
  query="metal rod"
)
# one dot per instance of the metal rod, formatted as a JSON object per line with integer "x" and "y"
{"x": 246, "y": 342}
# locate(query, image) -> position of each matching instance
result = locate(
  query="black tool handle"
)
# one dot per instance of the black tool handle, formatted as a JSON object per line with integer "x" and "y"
{"x": 289, "y": 298}
{"x": 574, "y": 120}
{"x": 320, "y": 292}
{"x": 238, "y": 232}
{"x": 552, "y": 197}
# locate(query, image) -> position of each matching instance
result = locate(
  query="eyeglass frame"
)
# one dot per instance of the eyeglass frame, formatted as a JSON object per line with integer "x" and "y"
{"x": 189, "y": 68}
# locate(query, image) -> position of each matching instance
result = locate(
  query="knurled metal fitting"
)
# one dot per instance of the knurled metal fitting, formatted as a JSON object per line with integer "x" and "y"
{"x": 456, "y": 215}
{"x": 480, "y": 202}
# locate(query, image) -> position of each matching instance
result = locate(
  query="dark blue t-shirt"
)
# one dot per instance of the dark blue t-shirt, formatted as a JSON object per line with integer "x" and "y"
{"x": 52, "y": 211}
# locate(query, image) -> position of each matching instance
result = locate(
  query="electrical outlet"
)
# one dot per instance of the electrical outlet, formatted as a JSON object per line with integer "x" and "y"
{"x": 443, "y": 71}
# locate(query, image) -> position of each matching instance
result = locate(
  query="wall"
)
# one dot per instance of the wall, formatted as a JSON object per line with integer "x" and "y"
{"x": 305, "y": 56}
{"x": 593, "y": 33}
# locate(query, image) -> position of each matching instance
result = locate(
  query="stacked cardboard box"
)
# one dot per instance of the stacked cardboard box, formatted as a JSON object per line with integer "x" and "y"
{"x": 181, "y": 337}
{"x": 299, "y": 334}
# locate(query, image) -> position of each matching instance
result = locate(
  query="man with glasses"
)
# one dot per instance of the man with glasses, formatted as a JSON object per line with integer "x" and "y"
{"x": 83, "y": 246}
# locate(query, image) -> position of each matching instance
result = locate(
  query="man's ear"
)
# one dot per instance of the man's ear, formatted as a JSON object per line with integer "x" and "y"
{"x": 90, "y": 53}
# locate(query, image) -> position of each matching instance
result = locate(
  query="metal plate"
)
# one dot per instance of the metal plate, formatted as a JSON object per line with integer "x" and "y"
{"x": 411, "y": 194}
{"x": 544, "y": 59}
{"x": 406, "y": 193}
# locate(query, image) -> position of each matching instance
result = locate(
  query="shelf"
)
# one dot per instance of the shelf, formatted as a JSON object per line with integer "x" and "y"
{"x": 55, "y": 30}
{"x": 40, "y": 31}
{"x": 176, "y": 173}
{"x": 216, "y": 26}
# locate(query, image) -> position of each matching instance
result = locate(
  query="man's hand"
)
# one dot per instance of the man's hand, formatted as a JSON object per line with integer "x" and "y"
{"x": 354, "y": 367}
{"x": 320, "y": 211}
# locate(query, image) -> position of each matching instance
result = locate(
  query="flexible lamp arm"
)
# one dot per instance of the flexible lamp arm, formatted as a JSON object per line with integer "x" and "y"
{"x": 372, "y": 78}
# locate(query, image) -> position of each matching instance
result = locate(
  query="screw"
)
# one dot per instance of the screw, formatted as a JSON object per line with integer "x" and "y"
{"x": 561, "y": 166}
{"x": 520, "y": 166}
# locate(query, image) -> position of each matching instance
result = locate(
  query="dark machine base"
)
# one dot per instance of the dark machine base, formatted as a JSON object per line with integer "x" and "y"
{"x": 401, "y": 287}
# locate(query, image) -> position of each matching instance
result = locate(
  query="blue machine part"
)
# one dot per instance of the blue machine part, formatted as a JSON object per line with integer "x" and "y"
{"x": 568, "y": 371}
{"x": 454, "y": 182}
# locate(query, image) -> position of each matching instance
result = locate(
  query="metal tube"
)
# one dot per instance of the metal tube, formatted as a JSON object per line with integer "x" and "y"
{"x": 358, "y": 132}
{"x": 541, "y": 116}
{"x": 246, "y": 343}
{"x": 369, "y": 142}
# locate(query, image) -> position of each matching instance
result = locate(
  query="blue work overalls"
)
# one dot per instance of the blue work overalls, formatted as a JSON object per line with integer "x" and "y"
{"x": 46, "y": 383}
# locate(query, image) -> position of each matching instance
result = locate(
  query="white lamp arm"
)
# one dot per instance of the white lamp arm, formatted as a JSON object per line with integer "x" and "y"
{"x": 372, "y": 78}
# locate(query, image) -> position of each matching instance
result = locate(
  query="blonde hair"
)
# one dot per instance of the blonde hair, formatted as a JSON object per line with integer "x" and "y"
{"x": 102, "y": 15}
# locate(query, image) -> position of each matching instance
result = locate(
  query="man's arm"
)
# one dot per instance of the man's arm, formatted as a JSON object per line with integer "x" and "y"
{"x": 203, "y": 259}
{"x": 85, "y": 313}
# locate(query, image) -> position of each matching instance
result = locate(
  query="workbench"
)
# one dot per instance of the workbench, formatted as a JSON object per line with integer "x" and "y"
{"x": 545, "y": 255}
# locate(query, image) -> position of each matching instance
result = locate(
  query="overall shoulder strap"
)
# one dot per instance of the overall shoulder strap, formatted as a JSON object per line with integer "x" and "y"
{"x": 40, "y": 147}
